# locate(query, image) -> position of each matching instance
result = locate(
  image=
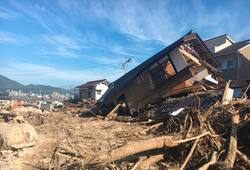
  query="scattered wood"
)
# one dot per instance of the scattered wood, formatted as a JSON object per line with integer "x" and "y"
{"x": 138, "y": 163}
{"x": 228, "y": 94}
{"x": 190, "y": 154}
{"x": 243, "y": 157}
{"x": 245, "y": 92}
{"x": 144, "y": 132}
{"x": 146, "y": 145}
{"x": 151, "y": 161}
{"x": 212, "y": 161}
{"x": 231, "y": 154}
{"x": 180, "y": 137}
{"x": 111, "y": 113}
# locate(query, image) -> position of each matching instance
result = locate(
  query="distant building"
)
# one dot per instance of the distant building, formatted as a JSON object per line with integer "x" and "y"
{"x": 234, "y": 58}
{"x": 216, "y": 44}
{"x": 45, "y": 105}
{"x": 91, "y": 90}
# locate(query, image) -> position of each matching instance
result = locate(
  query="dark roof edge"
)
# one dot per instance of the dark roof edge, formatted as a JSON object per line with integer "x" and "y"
{"x": 97, "y": 82}
{"x": 153, "y": 58}
{"x": 228, "y": 37}
{"x": 209, "y": 52}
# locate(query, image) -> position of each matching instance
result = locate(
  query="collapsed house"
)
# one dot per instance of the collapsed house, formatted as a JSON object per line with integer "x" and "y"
{"x": 184, "y": 66}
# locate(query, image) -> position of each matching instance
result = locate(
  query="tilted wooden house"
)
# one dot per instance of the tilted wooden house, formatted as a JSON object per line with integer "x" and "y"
{"x": 185, "y": 65}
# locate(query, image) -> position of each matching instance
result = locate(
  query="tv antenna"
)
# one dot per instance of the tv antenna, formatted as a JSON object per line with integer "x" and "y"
{"x": 125, "y": 64}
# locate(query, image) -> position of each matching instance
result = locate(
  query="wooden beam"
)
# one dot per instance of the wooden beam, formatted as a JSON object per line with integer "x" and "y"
{"x": 113, "y": 111}
{"x": 190, "y": 56}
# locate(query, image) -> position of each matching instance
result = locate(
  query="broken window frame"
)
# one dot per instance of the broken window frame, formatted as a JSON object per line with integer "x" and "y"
{"x": 158, "y": 70}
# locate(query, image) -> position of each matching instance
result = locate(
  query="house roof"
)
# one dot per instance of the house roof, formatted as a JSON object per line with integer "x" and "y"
{"x": 224, "y": 35}
{"x": 233, "y": 48}
{"x": 131, "y": 75}
{"x": 93, "y": 83}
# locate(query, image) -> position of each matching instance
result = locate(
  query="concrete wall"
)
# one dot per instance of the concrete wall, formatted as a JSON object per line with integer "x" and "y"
{"x": 217, "y": 44}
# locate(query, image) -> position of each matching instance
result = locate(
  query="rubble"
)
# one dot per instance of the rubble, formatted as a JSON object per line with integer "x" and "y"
{"x": 193, "y": 139}
{"x": 15, "y": 136}
{"x": 78, "y": 107}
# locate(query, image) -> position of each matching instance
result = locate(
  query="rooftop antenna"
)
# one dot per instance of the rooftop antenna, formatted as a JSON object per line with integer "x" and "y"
{"x": 125, "y": 64}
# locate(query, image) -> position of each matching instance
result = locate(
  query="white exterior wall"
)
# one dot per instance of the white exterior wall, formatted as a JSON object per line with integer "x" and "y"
{"x": 103, "y": 88}
{"x": 217, "y": 44}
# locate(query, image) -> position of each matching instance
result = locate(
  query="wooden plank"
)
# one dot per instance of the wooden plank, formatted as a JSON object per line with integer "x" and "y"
{"x": 113, "y": 110}
{"x": 190, "y": 56}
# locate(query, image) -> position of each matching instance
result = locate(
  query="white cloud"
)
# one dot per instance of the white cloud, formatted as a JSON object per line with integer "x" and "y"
{"x": 43, "y": 74}
{"x": 9, "y": 38}
{"x": 60, "y": 45}
{"x": 33, "y": 12}
{"x": 107, "y": 60}
{"x": 61, "y": 52}
{"x": 5, "y": 15}
{"x": 62, "y": 40}
{"x": 144, "y": 20}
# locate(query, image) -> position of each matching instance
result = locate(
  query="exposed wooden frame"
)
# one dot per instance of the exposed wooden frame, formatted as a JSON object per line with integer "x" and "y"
{"x": 190, "y": 56}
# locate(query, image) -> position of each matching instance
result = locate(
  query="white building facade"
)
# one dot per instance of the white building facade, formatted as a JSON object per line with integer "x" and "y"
{"x": 91, "y": 90}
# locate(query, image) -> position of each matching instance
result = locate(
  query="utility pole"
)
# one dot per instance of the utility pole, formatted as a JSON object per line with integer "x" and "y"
{"x": 125, "y": 64}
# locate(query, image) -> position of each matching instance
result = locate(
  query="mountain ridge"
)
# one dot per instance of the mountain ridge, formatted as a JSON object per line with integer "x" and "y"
{"x": 8, "y": 84}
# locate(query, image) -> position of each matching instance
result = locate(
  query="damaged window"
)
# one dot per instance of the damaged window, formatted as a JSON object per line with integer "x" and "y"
{"x": 162, "y": 71}
{"x": 169, "y": 70}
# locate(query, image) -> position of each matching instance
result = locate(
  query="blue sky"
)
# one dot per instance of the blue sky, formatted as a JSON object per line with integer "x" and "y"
{"x": 63, "y": 42}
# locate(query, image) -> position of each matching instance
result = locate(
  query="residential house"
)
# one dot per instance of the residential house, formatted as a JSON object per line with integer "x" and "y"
{"x": 234, "y": 58}
{"x": 92, "y": 89}
{"x": 185, "y": 65}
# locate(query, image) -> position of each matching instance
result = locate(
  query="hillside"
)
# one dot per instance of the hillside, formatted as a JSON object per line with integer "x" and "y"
{"x": 44, "y": 89}
{"x": 8, "y": 84}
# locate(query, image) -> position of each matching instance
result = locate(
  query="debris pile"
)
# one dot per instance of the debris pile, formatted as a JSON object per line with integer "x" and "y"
{"x": 192, "y": 139}
{"x": 78, "y": 107}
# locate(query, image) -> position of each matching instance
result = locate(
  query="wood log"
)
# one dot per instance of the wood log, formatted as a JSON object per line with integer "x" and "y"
{"x": 231, "y": 154}
{"x": 151, "y": 161}
{"x": 144, "y": 132}
{"x": 243, "y": 157}
{"x": 212, "y": 161}
{"x": 138, "y": 163}
{"x": 190, "y": 154}
{"x": 110, "y": 114}
{"x": 146, "y": 145}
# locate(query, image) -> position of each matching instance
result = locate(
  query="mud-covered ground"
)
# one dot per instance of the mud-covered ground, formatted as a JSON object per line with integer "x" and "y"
{"x": 67, "y": 141}
{"x": 90, "y": 136}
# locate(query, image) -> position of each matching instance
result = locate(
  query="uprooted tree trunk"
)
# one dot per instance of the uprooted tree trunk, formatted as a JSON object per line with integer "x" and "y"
{"x": 232, "y": 149}
{"x": 142, "y": 146}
